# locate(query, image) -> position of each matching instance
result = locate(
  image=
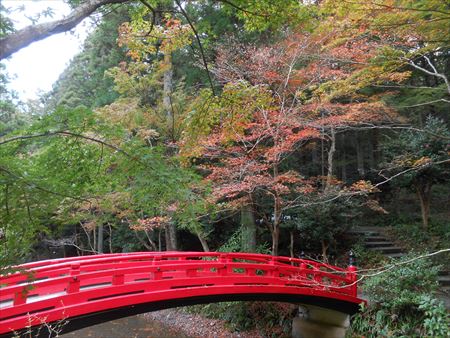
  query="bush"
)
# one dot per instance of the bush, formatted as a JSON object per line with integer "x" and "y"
{"x": 402, "y": 303}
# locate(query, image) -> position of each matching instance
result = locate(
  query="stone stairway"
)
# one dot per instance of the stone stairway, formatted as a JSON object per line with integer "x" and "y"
{"x": 374, "y": 239}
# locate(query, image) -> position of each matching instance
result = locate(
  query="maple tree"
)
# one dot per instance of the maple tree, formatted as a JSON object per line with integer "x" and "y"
{"x": 275, "y": 101}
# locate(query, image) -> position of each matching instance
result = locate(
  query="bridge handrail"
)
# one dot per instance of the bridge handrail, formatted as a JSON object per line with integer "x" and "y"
{"x": 60, "y": 275}
{"x": 38, "y": 270}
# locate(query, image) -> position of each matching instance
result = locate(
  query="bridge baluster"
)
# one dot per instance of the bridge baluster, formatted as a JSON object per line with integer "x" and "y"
{"x": 318, "y": 278}
{"x": 74, "y": 282}
{"x": 352, "y": 276}
{"x": 20, "y": 297}
{"x": 223, "y": 271}
{"x": 156, "y": 274}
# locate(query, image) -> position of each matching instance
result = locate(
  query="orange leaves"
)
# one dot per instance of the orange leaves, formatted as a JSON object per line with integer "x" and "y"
{"x": 364, "y": 187}
{"x": 150, "y": 223}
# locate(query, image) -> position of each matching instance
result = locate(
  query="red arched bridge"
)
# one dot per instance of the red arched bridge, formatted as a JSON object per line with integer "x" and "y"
{"x": 80, "y": 291}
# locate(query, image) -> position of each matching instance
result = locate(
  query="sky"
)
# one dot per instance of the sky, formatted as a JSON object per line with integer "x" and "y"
{"x": 35, "y": 68}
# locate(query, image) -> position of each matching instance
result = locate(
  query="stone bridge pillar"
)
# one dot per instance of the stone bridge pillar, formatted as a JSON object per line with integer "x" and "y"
{"x": 317, "y": 322}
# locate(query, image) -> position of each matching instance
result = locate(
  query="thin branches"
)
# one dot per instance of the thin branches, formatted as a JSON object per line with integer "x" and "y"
{"x": 71, "y": 134}
{"x": 38, "y": 187}
{"x": 197, "y": 37}
{"x": 434, "y": 71}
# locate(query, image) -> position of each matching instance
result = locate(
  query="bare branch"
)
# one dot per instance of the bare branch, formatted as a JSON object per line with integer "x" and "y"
{"x": 433, "y": 73}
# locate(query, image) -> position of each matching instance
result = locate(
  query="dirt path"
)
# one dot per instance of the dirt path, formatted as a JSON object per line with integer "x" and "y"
{"x": 197, "y": 326}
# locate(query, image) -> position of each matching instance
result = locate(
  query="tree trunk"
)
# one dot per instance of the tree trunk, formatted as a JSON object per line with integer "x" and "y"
{"x": 344, "y": 161}
{"x": 152, "y": 243}
{"x": 204, "y": 243}
{"x": 171, "y": 237}
{"x": 248, "y": 229}
{"x": 359, "y": 157}
{"x": 275, "y": 239}
{"x": 291, "y": 245}
{"x": 331, "y": 152}
{"x": 100, "y": 239}
{"x": 325, "y": 246}
{"x": 423, "y": 190}
{"x": 167, "y": 92}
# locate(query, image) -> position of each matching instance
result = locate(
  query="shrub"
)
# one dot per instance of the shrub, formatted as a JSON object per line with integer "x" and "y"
{"x": 402, "y": 303}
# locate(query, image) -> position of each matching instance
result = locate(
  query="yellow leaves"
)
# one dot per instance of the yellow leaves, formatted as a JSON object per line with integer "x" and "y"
{"x": 375, "y": 206}
{"x": 421, "y": 161}
{"x": 142, "y": 37}
{"x": 364, "y": 187}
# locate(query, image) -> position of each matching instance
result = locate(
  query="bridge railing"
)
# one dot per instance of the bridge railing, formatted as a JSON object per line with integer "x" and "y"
{"x": 72, "y": 274}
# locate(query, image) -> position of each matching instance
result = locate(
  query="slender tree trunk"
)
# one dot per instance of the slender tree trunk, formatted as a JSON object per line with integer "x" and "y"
{"x": 359, "y": 157}
{"x": 203, "y": 242}
{"x": 291, "y": 245}
{"x": 331, "y": 152}
{"x": 100, "y": 239}
{"x": 167, "y": 92}
{"x": 159, "y": 240}
{"x": 171, "y": 237}
{"x": 94, "y": 240}
{"x": 344, "y": 161}
{"x": 248, "y": 229}
{"x": 423, "y": 190}
{"x": 275, "y": 239}
{"x": 325, "y": 246}
{"x": 110, "y": 238}
{"x": 314, "y": 159}
{"x": 152, "y": 243}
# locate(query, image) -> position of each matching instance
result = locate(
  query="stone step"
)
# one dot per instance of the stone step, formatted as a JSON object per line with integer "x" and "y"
{"x": 366, "y": 234}
{"x": 444, "y": 280}
{"x": 394, "y": 255}
{"x": 376, "y": 239}
{"x": 388, "y": 249}
{"x": 378, "y": 244}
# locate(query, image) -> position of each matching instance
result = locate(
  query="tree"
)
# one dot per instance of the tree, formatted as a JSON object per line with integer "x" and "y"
{"x": 253, "y": 130}
{"x": 422, "y": 158}
{"x": 259, "y": 15}
{"x": 84, "y": 82}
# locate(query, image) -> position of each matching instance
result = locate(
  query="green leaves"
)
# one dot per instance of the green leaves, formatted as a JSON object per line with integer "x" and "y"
{"x": 402, "y": 302}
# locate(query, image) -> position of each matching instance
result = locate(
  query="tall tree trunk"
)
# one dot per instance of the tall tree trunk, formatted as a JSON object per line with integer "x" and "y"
{"x": 167, "y": 92}
{"x": 291, "y": 245}
{"x": 344, "y": 161}
{"x": 331, "y": 152}
{"x": 325, "y": 246}
{"x": 171, "y": 237}
{"x": 359, "y": 157}
{"x": 275, "y": 239}
{"x": 100, "y": 239}
{"x": 248, "y": 229}
{"x": 423, "y": 189}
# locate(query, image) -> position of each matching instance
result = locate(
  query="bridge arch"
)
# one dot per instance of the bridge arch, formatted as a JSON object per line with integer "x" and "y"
{"x": 87, "y": 290}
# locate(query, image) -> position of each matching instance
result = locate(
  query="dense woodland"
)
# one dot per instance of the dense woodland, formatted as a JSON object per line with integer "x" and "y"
{"x": 244, "y": 125}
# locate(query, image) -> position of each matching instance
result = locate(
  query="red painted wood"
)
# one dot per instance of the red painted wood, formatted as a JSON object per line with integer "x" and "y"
{"x": 60, "y": 289}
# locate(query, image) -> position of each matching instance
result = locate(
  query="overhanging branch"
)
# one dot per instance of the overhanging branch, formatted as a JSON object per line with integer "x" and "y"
{"x": 24, "y": 37}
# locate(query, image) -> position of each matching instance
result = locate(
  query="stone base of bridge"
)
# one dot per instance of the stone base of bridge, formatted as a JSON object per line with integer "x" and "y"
{"x": 314, "y": 322}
